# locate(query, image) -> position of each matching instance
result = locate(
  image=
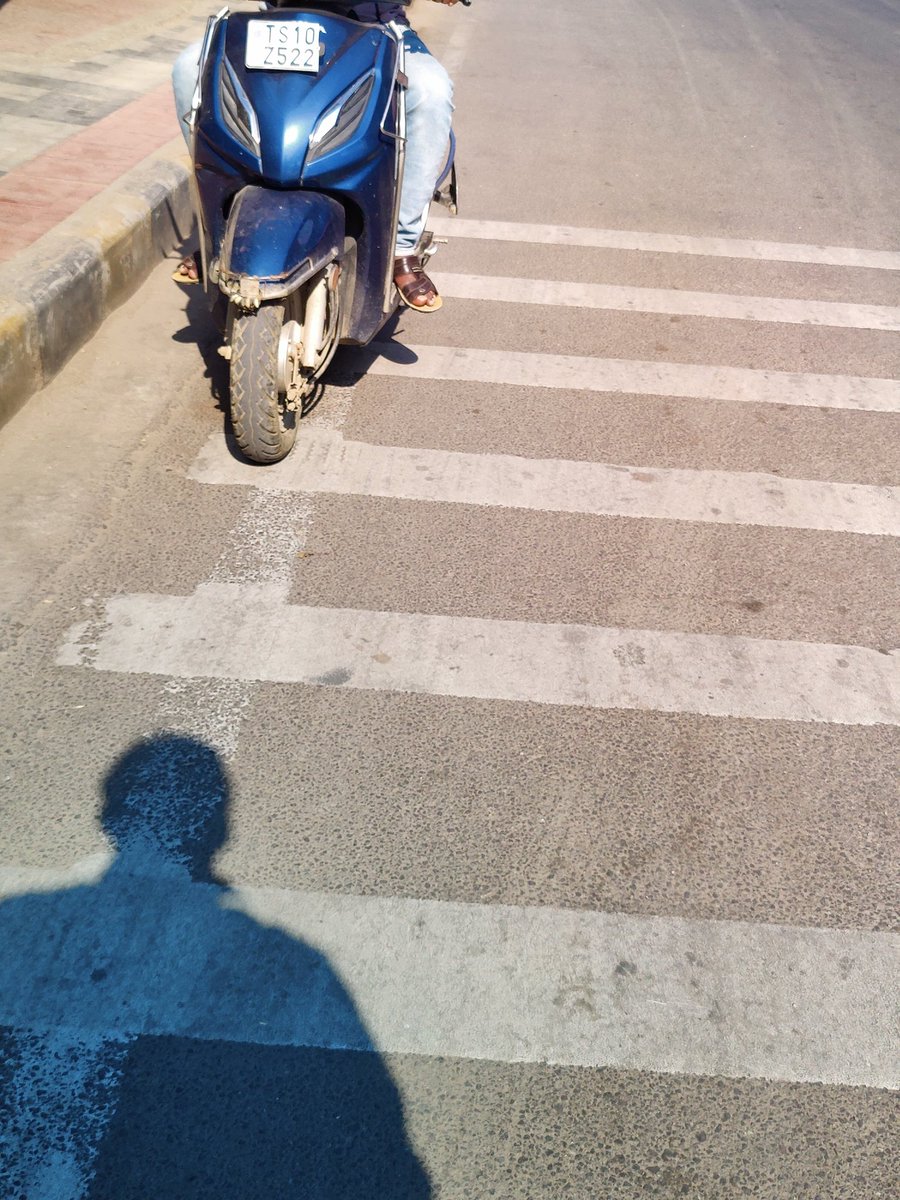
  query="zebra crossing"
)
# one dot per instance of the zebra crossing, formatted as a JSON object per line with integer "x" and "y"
{"x": 641, "y": 669}
{"x": 665, "y": 243}
{"x": 543, "y": 985}
{"x": 260, "y": 638}
{"x": 681, "y": 380}
{"x": 520, "y": 983}
{"x": 328, "y": 462}
{"x": 247, "y": 630}
{"x": 546, "y": 292}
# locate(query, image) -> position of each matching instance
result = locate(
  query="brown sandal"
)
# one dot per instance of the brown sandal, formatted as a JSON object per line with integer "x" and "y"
{"x": 418, "y": 287}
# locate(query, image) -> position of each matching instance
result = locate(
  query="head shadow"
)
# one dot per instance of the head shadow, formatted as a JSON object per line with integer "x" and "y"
{"x": 166, "y": 799}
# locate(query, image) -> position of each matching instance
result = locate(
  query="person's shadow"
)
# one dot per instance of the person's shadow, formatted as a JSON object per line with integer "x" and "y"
{"x": 159, "y": 1043}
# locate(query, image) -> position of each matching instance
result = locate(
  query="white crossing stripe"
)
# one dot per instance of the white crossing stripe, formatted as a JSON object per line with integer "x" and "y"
{"x": 324, "y": 461}
{"x": 632, "y": 376}
{"x": 501, "y": 983}
{"x": 549, "y": 292}
{"x": 235, "y": 631}
{"x": 663, "y": 243}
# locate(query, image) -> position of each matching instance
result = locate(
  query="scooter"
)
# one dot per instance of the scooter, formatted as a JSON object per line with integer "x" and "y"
{"x": 298, "y": 138}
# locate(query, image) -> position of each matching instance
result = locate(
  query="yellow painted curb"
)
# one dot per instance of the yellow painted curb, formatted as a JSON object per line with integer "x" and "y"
{"x": 58, "y": 290}
{"x": 20, "y": 359}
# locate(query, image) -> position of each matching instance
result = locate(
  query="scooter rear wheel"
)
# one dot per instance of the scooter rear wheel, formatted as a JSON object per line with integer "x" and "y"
{"x": 264, "y": 428}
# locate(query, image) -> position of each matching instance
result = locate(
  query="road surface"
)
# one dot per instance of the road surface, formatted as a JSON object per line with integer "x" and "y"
{"x": 499, "y": 797}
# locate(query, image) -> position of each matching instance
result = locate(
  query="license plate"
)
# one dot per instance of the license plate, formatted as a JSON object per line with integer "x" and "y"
{"x": 283, "y": 46}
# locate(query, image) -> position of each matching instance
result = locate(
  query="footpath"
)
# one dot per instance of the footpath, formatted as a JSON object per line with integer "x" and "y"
{"x": 93, "y": 171}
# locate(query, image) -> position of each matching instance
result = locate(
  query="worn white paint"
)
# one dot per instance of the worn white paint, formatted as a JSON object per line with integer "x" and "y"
{"x": 629, "y": 376}
{"x": 663, "y": 243}
{"x": 503, "y": 983}
{"x": 553, "y": 293}
{"x": 234, "y": 631}
{"x": 325, "y": 462}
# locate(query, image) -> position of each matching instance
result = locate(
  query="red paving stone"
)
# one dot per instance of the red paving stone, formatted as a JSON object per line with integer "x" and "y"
{"x": 40, "y": 193}
{"x": 24, "y": 195}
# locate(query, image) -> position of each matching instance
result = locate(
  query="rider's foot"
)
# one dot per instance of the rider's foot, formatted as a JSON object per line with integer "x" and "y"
{"x": 187, "y": 271}
{"x": 415, "y": 288}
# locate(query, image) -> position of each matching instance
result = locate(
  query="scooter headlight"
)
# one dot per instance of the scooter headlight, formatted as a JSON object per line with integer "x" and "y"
{"x": 237, "y": 110}
{"x": 341, "y": 121}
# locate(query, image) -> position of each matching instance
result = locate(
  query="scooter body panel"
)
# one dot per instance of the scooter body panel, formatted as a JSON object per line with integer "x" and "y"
{"x": 255, "y": 140}
{"x": 280, "y": 239}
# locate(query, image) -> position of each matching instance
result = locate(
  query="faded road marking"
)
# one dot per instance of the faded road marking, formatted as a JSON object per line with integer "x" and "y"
{"x": 686, "y": 381}
{"x": 324, "y": 461}
{"x": 502, "y": 983}
{"x": 548, "y": 292}
{"x": 242, "y": 631}
{"x": 665, "y": 243}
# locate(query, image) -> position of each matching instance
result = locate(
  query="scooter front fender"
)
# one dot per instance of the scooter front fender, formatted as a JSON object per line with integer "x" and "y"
{"x": 277, "y": 240}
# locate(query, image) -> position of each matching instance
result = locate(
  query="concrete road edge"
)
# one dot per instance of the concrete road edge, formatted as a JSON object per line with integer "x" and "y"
{"x": 55, "y": 294}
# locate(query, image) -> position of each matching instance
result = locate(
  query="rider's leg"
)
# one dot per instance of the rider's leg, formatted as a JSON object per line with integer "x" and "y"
{"x": 184, "y": 84}
{"x": 429, "y": 112}
{"x": 429, "y": 107}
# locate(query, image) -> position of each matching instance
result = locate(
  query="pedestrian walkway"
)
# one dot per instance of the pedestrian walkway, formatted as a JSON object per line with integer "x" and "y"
{"x": 84, "y": 97}
{"x": 93, "y": 178}
{"x": 66, "y": 65}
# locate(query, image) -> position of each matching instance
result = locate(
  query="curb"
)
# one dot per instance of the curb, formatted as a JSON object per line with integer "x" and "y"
{"x": 56, "y": 293}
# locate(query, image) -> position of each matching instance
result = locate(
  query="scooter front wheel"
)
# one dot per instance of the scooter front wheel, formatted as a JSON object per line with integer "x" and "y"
{"x": 265, "y": 429}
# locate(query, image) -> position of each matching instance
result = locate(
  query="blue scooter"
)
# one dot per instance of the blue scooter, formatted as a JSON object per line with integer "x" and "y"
{"x": 298, "y": 139}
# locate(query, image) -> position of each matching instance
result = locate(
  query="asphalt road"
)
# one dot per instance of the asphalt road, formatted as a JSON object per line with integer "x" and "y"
{"x": 499, "y": 798}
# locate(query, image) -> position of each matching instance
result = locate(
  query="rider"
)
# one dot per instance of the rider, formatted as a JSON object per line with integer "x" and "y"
{"x": 429, "y": 105}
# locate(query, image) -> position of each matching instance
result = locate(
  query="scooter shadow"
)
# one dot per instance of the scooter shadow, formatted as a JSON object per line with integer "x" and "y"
{"x": 353, "y": 363}
{"x": 200, "y": 330}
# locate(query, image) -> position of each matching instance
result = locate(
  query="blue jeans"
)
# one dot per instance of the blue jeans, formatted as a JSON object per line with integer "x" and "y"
{"x": 429, "y": 110}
